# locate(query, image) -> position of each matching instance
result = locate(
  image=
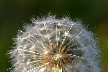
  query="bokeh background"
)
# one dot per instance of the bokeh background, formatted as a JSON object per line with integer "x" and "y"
{"x": 13, "y": 14}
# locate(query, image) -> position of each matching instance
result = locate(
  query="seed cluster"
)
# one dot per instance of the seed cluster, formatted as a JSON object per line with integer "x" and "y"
{"x": 57, "y": 57}
{"x": 55, "y": 45}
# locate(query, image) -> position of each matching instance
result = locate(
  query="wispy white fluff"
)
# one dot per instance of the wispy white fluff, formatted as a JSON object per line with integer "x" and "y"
{"x": 34, "y": 40}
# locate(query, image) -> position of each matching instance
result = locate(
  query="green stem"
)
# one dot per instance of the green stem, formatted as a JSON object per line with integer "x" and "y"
{"x": 58, "y": 69}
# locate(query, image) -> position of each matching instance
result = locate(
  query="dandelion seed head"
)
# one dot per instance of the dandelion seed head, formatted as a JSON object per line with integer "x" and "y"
{"x": 55, "y": 45}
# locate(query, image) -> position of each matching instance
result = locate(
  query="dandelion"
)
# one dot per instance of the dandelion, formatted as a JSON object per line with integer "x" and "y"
{"x": 55, "y": 45}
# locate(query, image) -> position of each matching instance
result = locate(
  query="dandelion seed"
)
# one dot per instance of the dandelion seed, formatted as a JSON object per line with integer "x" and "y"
{"x": 55, "y": 45}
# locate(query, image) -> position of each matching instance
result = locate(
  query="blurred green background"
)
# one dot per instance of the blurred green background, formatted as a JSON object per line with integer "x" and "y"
{"x": 14, "y": 12}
